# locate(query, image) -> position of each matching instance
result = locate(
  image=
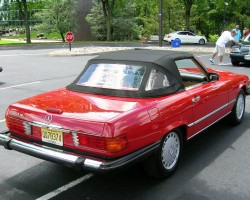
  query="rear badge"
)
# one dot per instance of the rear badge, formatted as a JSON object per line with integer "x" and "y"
{"x": 48, "y": 119}
{"x": 16, "y": 114}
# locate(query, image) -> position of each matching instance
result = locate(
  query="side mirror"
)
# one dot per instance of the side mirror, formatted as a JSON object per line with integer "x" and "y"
{"x": 213, "y": 77}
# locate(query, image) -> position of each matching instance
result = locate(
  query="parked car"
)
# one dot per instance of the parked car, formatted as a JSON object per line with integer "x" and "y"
{"x": 185, "y": 37}
{"x": 154, "y": 38}
{"x": 126, "y": 107}
{"x": 241, "y": 53}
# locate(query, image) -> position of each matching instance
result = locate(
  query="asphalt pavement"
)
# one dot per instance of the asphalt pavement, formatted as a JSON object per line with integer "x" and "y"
{"x": 215, "y": 164}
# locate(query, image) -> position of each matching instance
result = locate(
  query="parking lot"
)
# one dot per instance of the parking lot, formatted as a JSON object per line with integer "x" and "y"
{"x": 215, "y": 165}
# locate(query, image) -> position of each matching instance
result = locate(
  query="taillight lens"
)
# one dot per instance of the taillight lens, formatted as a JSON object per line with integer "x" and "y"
{"x": 15, "y": 125}
{"x": 111, "y": 145}
{"x": 24, "y": 128}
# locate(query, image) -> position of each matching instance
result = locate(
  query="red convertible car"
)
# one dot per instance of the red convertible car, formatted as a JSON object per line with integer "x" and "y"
{"x": 126, "y": 107}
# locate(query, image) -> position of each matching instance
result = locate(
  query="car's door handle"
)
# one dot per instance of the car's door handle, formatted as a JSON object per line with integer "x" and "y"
{"x": 196, "y": 99}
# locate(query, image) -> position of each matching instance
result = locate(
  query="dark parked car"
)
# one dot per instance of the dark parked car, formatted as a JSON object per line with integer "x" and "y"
{"x": 241, "y": 54}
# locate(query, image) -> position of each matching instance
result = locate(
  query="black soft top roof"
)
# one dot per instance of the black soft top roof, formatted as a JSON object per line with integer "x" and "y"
{"x": 152, "y": 58}
{"x": 159, "y": 57}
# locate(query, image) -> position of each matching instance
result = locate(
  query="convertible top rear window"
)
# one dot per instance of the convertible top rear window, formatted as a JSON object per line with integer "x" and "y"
{"x": 113, "y": 76}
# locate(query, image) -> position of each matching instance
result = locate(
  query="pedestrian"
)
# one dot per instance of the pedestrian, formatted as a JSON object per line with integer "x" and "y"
{"x": 237, "y": 37}
{"x": 220, "y": 47}
{"x": 245, "y": 32}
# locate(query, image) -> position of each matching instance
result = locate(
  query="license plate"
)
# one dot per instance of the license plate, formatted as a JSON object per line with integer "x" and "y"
{"x": 247, "y": 57}
{"x": 52, "y": 136}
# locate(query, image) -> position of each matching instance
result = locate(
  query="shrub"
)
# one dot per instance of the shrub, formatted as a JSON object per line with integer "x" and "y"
{"x": 213, "y": 38}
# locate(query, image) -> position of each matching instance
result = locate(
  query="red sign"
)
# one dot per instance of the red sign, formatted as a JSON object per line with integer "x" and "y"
{"x": 69, "y": 37}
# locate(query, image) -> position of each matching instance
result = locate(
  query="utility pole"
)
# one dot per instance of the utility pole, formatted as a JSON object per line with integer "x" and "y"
{"x": 160, "y": 23}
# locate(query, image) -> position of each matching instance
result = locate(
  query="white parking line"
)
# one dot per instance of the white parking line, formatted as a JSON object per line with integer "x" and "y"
{"x": 13, "y": 86}
{"x": 65, "y": 187}
{"x": 26, "y": 54}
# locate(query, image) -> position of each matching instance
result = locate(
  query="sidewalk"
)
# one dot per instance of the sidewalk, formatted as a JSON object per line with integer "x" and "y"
{"x": 97, "y": 50}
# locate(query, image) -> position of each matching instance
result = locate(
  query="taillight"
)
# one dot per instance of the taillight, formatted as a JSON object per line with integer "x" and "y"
{"x": 169, "y": 36}
{"x": 15, "y": 125}
{"x": 111, "y": 145}
{"x": 21, "y": 127}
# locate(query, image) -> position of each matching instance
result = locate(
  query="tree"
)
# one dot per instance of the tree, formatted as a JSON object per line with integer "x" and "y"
{"x": 97, "y": 22}
{"x": 23, "y": 11}
{"x": 57, "y": 16}
{"x": 107, "y": 16}
{"x": 188, "y": 5}
{"x": 122, "y": 26}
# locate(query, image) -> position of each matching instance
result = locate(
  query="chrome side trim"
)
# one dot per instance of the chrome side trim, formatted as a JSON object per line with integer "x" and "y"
{"x": 210, "y": 114}
{"x": 208, "y": 126}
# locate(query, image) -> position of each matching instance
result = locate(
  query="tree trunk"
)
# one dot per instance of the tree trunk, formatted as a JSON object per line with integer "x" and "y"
{"x": 187, "y": 13}
{"x": 62, "y": 36}
{"x": 107, "y": 15}
{"x": 24, "y": 14}
{"x": 188, "y": 5}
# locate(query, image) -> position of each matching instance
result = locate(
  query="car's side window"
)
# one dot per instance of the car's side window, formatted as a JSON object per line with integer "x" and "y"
{"x": 181, "y": 33}
{"x": 157, "y": 80}
{"x": 190, "y": 73}
{"x": 191, "y": 34}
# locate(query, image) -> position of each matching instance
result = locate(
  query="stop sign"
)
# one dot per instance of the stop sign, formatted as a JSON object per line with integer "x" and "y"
{"x": 69, "y": 37}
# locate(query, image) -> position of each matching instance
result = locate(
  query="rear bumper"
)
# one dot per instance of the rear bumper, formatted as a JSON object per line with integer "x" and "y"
{"x": 238, "y": 57}
{"x": 75, "y": 161}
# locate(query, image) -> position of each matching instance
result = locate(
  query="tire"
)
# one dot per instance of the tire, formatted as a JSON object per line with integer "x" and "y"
{"x": 235, "y": 63}
{"x": 201, "y": 41}
{"x": 237, "y": 114}
{"x": 165, "y": 161}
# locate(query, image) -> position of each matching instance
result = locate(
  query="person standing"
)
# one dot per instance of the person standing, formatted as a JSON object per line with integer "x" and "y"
{"x": 220, "y": 47}
{"x": 245, "y": 33}
{"x": 237, "y": 37}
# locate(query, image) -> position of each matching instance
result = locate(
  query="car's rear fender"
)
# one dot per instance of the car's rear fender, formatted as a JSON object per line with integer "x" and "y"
{"x": 181, "y": 125}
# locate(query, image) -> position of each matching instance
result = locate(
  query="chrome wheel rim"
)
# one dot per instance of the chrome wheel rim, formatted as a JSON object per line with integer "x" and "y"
{"x": 170, "y": 150}
{"x": 240, "y": 106}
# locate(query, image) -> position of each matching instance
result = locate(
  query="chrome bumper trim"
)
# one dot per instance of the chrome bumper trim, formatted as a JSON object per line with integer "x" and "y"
{"x": 74, "y": 161}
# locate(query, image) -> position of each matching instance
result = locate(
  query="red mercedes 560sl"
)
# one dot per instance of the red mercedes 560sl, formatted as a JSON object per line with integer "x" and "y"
{"x": 126, "y": 107}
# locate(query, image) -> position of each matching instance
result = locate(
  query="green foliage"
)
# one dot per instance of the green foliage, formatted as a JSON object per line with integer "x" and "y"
{"x": 124, "y": 24}
{"x": 97, "y": 23}
{"x": 57, "y": 16}
{"x": 131, "y": 18}
{"x": 213, "y": 38}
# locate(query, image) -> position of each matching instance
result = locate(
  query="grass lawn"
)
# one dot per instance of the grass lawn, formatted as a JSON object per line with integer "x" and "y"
{"x": 2, "y": 41}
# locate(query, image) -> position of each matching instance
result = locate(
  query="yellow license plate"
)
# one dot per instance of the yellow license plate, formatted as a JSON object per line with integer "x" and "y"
{"x": 52, "y": 136}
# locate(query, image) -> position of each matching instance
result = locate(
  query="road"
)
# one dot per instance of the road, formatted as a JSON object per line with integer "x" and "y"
{"x": 215, "y": 164}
